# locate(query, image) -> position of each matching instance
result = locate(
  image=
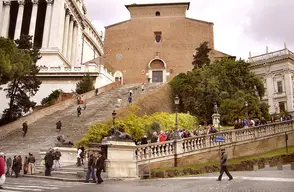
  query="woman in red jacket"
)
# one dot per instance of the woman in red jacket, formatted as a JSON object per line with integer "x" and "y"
{"x": 2, "y": 170}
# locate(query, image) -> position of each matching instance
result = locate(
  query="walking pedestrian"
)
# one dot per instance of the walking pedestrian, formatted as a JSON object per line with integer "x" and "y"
{"x": 25, "y": 128}
{"x": 131, "y": 92}
{"x": 2, "y": 170}
{"x": 91, "y": 167}
{"x": 99, "y": 167}
{"x": 8, "y": 166}
{"x": 16, "y": 165}
{"x": 79, "y": 109}
{"x": 32, "y": 161}
{"x": 130, "y": 99}
{"x": 142, "y": 87}
{"x": 58, "y": 125}
{"x": 79, "y": 157}
{"x": 223, "y": 166}
{"x": 57, "y": 156}
{"x": 48, "y": 162}
{"x": 26, "y": 166}
{"x": 96, "y": 91}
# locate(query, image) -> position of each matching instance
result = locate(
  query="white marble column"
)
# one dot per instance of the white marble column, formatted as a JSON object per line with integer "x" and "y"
{"x": 6, "y": 18}
{"x": 289, "y": 90}
{"x": 1, "y": 14}
{"x": 270, "y": 93}
{"x": 69, "y": 48}
{"x": 74, "y": 46}
{"x": 33, "y": 18}
{"x": 47, "y": 24}
{"x": 65, "y": 34}
{"x": 18, "y": 26}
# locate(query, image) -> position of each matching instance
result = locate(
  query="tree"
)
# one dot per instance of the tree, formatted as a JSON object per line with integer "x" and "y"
{"x": 85, "y": 85}
{"x": 201, "y": 57}
{"x": 7, "y": 50}
{"x": 229, "y": 83}
{"x": 23, "y": 83}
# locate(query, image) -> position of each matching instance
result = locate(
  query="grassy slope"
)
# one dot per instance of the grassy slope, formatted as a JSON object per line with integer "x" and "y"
{"x": 273, "y": 153}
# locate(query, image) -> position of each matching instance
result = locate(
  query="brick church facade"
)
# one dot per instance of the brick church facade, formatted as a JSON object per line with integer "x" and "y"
{"x": 157, "y": 43}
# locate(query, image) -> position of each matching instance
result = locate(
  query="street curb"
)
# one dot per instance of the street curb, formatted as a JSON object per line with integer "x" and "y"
{"x": 73, "y": 180}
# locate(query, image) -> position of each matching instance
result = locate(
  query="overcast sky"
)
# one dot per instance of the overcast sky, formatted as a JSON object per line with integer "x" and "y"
{"x": 240, "y": 26}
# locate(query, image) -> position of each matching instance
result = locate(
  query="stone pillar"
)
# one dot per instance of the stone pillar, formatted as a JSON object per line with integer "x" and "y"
{"x": 65, "y": 34}
{"x": 270, "y": 91}
{"x": 57, "y": 25}
{"x": 6, "y": 18}
{"x": 74, "y": 46}
{"x": 18, "y": 26}
{"x": 120, "y": 162}
{"x": 33, "y": 18}
{"x": 289, "y": 90}
{"x": 216, "y": 120}
{"x": 69, "y": 48}
{"x": 1, "y": 14}
{"x": 47, "y": 24}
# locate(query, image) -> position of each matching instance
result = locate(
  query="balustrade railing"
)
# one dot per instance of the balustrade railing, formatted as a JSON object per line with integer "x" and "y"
{"x": 176, "y": 147}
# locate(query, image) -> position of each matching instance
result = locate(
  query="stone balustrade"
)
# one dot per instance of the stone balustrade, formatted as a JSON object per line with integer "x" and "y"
{"x": 271, "y": 55}
{"x": 167, "y": 150}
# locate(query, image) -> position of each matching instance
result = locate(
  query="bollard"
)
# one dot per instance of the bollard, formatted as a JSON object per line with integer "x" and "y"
{"x": 292, "y": 166}
{"x": 267, "y": 166}
{"x": 280, "y": 167}
{"x": 255, "y": 167}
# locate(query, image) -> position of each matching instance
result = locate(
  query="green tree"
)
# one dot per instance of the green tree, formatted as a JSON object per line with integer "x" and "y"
{"x": 7, "y": 50}
{"x": 228, "y": 82}
{"x": 85, "y": 85}
{"x": 201, "y": 57}
{"x": 23, "y": 83}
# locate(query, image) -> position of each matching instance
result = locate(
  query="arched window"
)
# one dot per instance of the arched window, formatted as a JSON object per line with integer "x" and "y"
{"x": 157, "y": 13}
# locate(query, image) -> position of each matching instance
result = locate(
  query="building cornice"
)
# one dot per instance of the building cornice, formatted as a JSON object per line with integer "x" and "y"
{"x": 77, "y": 12}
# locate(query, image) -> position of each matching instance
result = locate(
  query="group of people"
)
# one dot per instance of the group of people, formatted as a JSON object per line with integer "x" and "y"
{"x": 95, "y": 162}
{"x": 52, "y": 158}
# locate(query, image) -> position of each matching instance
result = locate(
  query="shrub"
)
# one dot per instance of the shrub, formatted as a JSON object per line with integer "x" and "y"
{"x": 51, "y": 98}
{"x": 137, "y": 126}
{"x": 85, "y": 85}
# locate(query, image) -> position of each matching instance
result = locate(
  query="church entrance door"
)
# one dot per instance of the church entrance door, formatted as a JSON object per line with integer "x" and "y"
{"x": 157, "y": 76}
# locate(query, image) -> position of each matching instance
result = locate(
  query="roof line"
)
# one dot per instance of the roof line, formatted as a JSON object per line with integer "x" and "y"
{"x": 116, "y": 24}
{"x": 200, "y": 20}
{"x": 158, "y": 4}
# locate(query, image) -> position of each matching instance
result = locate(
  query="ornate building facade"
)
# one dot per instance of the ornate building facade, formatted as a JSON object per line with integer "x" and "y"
{"x": 276, "y": 69}
{"x": 157, "y": 43}
{"x": 66, "y": 38}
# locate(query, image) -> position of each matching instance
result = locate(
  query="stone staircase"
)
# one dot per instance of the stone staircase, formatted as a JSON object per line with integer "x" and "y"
{"x": 43, "y": 133}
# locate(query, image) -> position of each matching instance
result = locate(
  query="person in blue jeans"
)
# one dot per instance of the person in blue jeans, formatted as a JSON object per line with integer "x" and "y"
{"x": 91, "y": 167}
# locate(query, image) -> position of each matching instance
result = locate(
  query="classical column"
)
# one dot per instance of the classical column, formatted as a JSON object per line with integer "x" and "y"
{"x": 69, "y": 48}
{"x": 47, "y": 24}
{"x": 33, "y": 18}
{"x": 65, "y": 34}
{"x": 270, "y": 93}
{"x": 6, "y": 18}
{"x": 17, "y": 31}
{"x": 289, "y": 89}
{"x": 74, "y": 46}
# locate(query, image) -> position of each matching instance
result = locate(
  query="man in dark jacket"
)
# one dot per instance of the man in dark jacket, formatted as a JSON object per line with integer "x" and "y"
{"x": 58, "y": 125}
{"x": 25, "y": 128}
{"x": 32, "y": 161}
{"x": 223, "y": 165}
{"x": 99, "y": 167}
{"x": 91, "y": 167}
{"x": 49, "y": 162}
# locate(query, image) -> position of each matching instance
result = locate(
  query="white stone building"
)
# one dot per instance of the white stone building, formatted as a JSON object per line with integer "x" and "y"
{"x": 65, "y": 36}
{"x": 277, "y": 71}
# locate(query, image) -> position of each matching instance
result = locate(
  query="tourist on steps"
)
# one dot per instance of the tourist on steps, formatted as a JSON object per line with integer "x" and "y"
{"x": 96, "y": 91}
{"x": 223, "y": 166}
{"x": 131, "y": 93}
{"x": 2, "y": 170}
{"x": 58, "y": 126}
{"x": 48, "y": 162}
{"x": 79, "y": 110}
{"x": 57, "y": 156}
{"x": 25, "y": 128}
{"x": 130, "y": 99}
{"x": 16, "y": 165}
{"x": 8, "y": 166}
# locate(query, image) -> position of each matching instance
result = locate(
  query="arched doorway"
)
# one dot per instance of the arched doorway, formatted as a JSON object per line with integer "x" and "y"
{"x": 157, "y": 71}
{"x": 118, "y": 76}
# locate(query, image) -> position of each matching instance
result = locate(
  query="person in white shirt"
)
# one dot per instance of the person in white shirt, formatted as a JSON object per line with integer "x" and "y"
{"x": 131, "y": 93}
{"x": 79, "y": 157}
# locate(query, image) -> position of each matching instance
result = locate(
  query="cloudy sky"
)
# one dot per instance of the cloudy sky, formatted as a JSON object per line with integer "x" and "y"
{"x": 240, "y": 26}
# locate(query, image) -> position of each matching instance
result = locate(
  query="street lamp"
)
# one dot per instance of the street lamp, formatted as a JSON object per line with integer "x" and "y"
{"x": 246, "y": 105}
{"x": 113, "y": 116}
{"x": 177, "y": 102}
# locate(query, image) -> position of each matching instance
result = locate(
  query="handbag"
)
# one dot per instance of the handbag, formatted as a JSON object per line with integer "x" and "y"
{"x": 2, "y": 179}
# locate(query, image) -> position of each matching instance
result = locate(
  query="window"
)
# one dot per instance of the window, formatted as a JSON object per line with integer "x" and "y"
{"x": 282, "y": 106}
{"x": 157, "y": 37}
{"x": 280, "y": 87}
{"x": 157, "y": 14}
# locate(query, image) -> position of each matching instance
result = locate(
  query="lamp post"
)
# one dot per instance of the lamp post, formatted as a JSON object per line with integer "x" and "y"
{"x": 246, "y": 105}
{"x": 177, "y": 102}
{"x": 113, "y": 117}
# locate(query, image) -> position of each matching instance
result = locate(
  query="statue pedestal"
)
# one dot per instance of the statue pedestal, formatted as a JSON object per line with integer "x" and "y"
{"x": 216, "y": 120}
{"x": 120, "y": 162}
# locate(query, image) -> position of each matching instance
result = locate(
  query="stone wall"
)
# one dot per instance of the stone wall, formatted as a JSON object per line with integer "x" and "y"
{"x": 17, "y": 125}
